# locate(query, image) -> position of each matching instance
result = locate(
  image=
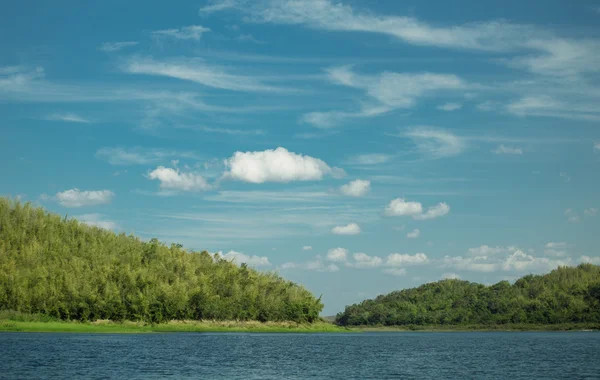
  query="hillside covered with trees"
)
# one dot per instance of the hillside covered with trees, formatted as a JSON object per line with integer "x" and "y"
{"x": 66, "y": 269}
{"x": 566, "y": 295}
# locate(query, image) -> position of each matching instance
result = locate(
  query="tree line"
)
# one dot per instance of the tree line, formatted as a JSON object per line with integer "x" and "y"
{"x": 65, "y": 269}
{"x": 565, "y": 295}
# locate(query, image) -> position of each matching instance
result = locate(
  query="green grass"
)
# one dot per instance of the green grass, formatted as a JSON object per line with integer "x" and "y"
{"x": 23, "y": 322}
{"x": 34, "y": 325}
{"x": 507, "y": 327}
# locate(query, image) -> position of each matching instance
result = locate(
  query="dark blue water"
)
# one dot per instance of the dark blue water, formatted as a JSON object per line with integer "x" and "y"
{"x": 302, "y": 356}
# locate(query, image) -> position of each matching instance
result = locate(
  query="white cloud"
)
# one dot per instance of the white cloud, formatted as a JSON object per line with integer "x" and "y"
{"x": 590, "y": 260}
{"x": 433, "y": 212}
{"x": 197, "y": 71}
{"x": 337, "y": 254}
{"x": 350, "y": 229}
{"x": 565, "y": 176}
{"x": 485, "y": 251}
{"x": 174, "y": 179}
{"x": 508, "y": 259}
{"x": 362, "y": 260}
{"x": 139, "y": 156}
{"x": 277, "y": 165}
{"x": 334, "y": 16}
{"x": 548, "y": 106}
{"x": 572, "y": 217}
{"x": 398, "y": 272}
{"x": 356, "y": 188}
{"x": 307, "y": 248}
{"x": 435, "y": 142}
{"x": 449, "y": 107}
{"x": 97, "y": 220}
{"x": 239, "y": 258}
{"x": 192, "y": 32}
{"x": 502, "y": 149}
{"x": 78, "y": 198}
{"x": 110, "y": 47}
{"x": 232, "y": 132}
{"x": 590, "y": 211}
{"x": 374, "y": 158}
{"x": 414, "y": 234}
{"x": 68, "y": 117}
{"x": 450, "y": 276}
{"x": 403, "y": 259}
{"x": 541, "y": 51}
{"x": 217, "y": 5}
{"x": 556, "y": 249}
{"x": 400, "y": 207}
{"x": 387, "y": 91}
{"x": 316, "y": 265}
{"x": 597, "y": 147}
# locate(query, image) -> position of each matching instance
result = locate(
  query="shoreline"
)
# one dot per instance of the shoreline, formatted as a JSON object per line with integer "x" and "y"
{"x": 128, "y": 327}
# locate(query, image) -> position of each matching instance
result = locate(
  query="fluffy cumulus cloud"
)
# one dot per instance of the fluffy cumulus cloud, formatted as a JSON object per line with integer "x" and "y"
{"x": 350, "y": 229}
{"x": 504, "y": 259}
{"x": 356, "y": 188}
{"x": 404, "y": 259}
{"x": 307, "y": 248}
{"x": 317, "y": 265}
{"x": 556, "y": 249}
{"x": 239, "y": 258}
{"x": 503, "y": 149}
{"x": 414, "y": 234}
{"x": 79, "y": 198}
{"x": 398, "y": 272}
{"x": 97, "y": 220}
{"x": 362, "y": 260}
{"x": 337, "y": 255}
{"x": 175, "y": 180}
{"x": 450, "y": 276}
{"x": 590, "y": 211}
{"x": 401, "y": 207}
{"x": 278, "y": 165}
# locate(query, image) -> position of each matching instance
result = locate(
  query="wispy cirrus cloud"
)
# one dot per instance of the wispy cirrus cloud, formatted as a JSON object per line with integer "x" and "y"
{"x": 111, "y": 47}
{"x": 503, "y": 149}
{"x": 140, "y": 156}
{"x": 198, "y": 71}
{"x": 68, "y": 117}
{"x": 192, "y": 32}
{"x": 435, "y": 142}
{"x": 386, "y": 92}
{"x": 540, "y": 51}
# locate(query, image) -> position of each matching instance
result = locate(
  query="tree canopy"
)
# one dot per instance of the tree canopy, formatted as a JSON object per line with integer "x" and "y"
{"x": 66, "y": 269}
{"x": 565, "y": 295}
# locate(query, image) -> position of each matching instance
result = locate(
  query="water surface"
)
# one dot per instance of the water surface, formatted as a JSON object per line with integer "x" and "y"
{"x": 494, "y": 355}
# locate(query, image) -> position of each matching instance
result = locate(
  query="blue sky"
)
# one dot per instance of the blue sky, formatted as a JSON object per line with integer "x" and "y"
{"x": 354, "y": 147}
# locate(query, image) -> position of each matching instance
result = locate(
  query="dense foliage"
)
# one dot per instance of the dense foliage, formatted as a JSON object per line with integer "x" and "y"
{"x": 566, "y": 295}
{"x": 65, "y": 269}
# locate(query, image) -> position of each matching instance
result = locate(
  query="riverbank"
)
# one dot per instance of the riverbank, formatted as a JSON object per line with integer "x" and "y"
{"x": 489, "y": 328}
{"x": 128, "y": 327}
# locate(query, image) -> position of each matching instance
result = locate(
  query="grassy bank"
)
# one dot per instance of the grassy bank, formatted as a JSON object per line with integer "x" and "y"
{"x": 171, "y": 326}
{"x": 507, "y": 327}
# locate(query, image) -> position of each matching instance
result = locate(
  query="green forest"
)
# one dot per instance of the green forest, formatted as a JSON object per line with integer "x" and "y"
{"x": 62, "y": 268}
{"x": 565, "y": 295}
